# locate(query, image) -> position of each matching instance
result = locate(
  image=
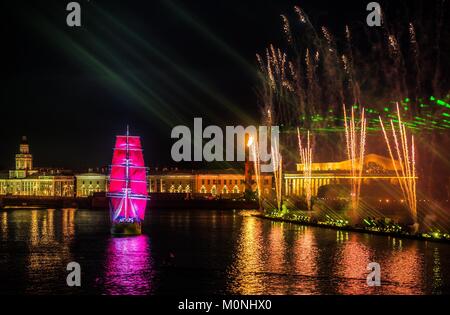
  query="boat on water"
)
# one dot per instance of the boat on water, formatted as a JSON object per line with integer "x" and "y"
{"x": 127, "y": 192}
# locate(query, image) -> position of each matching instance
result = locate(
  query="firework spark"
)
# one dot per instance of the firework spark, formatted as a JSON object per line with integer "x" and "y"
{"x": 254, "y": 149}
{"x": 306, "y": 161}
{"x": 278, "y": 173}
{"x": 301, "y": 14}
{"x": 355, "y": 152}
{"x": 406, "y": 173}
{"x": 287, "y": 29}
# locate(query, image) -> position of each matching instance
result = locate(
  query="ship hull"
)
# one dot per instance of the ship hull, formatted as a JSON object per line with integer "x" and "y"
{"x": 126, "y": 229}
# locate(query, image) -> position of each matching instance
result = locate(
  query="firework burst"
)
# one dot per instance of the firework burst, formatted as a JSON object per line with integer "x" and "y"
{"x": 406, "y": 156}
{"x": 356, "y": 144}
{"x": 277, "y": 160}
{"x": 255, "y": 157}
{"x": 306, "y": 155}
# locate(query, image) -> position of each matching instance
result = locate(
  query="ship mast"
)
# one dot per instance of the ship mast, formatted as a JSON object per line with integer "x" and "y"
{"x": 127, "y": 157}
{"x": 127, "y": 187}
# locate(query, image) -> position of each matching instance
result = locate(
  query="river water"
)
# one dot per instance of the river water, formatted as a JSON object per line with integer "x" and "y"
{"x": 207, "y": 252}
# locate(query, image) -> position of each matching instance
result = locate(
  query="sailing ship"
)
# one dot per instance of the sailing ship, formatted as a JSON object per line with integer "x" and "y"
{"x": 127, "y": 192}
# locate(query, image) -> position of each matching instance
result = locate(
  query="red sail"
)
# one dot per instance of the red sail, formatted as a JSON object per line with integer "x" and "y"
{"x": 128, "y": 181}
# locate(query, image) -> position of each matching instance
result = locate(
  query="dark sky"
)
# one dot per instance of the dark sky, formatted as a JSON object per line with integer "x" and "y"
{"x": 150, "y": 64}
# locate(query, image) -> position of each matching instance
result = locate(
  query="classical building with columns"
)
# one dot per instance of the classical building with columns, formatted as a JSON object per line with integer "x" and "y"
{"x": 214, "y": 182}
{"x": 376, "y": 168}
{"x": 25, "y": 180}
{"x": 89, "y": 183}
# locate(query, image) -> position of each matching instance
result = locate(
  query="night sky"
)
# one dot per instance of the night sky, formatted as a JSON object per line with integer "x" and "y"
{"x": 150, "y": 64}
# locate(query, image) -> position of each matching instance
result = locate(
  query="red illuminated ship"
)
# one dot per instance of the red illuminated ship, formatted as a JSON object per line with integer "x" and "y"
{"x": 127, "y": 186}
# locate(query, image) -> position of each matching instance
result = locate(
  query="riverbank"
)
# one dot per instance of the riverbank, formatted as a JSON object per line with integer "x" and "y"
{"x": 157, "y": 202}
{"x": 418, "y": 237}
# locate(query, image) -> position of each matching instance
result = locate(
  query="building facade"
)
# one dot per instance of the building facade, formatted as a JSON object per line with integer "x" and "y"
{"x": 25, "y": 180}
{"x": 218, "y": 182}
{"x": 376, "y": 168}
{"x": 171, "y": 182}
{"x": 89, "y": 183}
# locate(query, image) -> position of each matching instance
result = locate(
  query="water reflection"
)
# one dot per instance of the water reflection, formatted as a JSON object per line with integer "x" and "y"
{"x": 68, "y": 223}
{"x": 279, "y": 258}
{"x": 341, "y": 237}
{"x": 48, "y": 251}
{"x": 4, "y": 225}
{"x": 437, "y": 272}
{"x": 246, "y": 274}
{"x": 350, "y": 266}
{"x": 216, "y": 253}
{"x": 403, "y": 268}
{"x": 129, "y": 266}
{"x": 276, "y": 248}
{"x": 305, "y": 260}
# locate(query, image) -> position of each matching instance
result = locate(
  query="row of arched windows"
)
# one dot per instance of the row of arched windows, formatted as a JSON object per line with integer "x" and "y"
{"x": 214, "y": 190}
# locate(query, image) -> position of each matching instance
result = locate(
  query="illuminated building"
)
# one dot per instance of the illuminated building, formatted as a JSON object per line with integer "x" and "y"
{"x": 376, "y": 168}
{"x": 24, "y": 161}
{"x": 229, "y": 182}
{"x": 171, "y": 181}
{"x": 217, "y": 182}
{"x": 89, "y": 183}
{"x": 25, "y": 180}
{"x": 28, "y": 181}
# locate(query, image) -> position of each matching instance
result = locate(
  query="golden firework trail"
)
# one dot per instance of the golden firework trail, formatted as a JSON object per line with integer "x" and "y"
{"x": 406, "y": 156}
{"x": 306, "y": 161}
{"x": 301, "y": 14}
{"x": 356, "y": 144}
{"x": 254, "y": 148}
{"x": 277, "y": 173}
{"x": 287, "y": 29}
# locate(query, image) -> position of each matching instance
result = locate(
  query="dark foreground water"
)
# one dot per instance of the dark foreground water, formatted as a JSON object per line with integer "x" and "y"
{"x": 207, "y": 252}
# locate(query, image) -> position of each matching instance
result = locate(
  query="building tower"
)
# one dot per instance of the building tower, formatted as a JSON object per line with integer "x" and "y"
{"x": 24, "y": 161}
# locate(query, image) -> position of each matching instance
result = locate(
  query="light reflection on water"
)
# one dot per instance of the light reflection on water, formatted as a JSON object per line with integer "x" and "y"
{"x": 46, "y": 249}
{"x": 208, "y": 252}
{"x": 350, "y": 265}
{"x": 129, "y": 268}
{"x": 305, "y": 260}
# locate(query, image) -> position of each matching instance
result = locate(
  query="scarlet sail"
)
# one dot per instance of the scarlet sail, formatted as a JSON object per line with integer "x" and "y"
{"x": 127, "y": 186}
